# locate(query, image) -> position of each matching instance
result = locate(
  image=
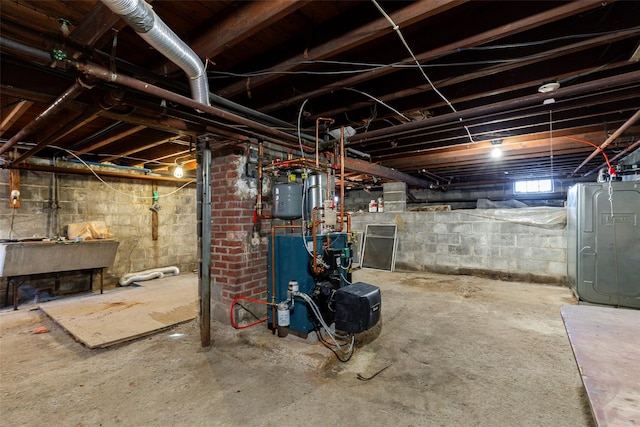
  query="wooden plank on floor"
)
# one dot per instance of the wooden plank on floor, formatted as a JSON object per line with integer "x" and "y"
{"x": 606, "y": 345}
{"x": 127, "y": 313}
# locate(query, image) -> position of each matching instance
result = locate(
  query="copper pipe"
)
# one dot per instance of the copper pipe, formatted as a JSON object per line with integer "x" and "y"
{"x": 626, "y": 125}
{"x": 626, "y": 150}
{"x": 313, "y": 215}
{"x": 318, "y": 120}
{"x": 287, "y": 163}
{"x": 314, "y": 236}
{"x": 616, "y": 157}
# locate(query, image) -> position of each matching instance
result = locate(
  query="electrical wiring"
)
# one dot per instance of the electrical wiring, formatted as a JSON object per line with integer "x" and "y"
{"x": 306, "y": 171}
{"x": 248, "y": 311}
{"x": 345, "y": 279}
{"x": 546, "y": 41}
{"x": 13, "y": 215}
{"x": 225, "y": 74}
{"x": 137, "y": 159}
{"x": 379, "y": 101}
{"x": 329, "y": 345}
{"x": 370, "y": 67}
{"x": 333, "y": 335}
{"x": 300, "y": 126}
{"x": 111, "y": 187}
{"x": 396, "y": 28}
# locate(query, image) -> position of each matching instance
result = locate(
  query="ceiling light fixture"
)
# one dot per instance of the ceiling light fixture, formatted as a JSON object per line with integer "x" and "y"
{"x": 496, "y": 152}
{"x": 178, "y": 172}
{"x": 635, "y": 56}
{"x": 549, "y": 87}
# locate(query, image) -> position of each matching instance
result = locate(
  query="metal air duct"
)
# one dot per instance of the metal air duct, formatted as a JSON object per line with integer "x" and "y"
{"x": 139, "y": 16}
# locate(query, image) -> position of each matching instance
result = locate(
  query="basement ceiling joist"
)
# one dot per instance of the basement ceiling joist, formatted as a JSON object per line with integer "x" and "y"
{"x": 343, "y": 60}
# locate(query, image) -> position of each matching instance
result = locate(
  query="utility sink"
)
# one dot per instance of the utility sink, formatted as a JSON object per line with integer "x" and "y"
{"x": 26, "y": 258}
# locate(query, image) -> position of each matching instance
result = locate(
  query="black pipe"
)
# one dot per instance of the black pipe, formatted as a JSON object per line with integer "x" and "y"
{"x": 500, "y": 107}
{"x": 71, "y": 93}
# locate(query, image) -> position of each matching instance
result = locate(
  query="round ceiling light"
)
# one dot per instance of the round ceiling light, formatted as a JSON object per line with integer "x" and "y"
{"x": 549, "y": 87}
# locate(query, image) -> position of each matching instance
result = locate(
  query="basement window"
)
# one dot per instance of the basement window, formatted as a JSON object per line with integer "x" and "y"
{"x": 533, "y": 186}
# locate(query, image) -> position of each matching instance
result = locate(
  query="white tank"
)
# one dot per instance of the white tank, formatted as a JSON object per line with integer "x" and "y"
{"x": 287, "y": 201}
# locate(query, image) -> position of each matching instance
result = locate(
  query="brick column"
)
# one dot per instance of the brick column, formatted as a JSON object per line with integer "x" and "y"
{"x": 238, "y": 262}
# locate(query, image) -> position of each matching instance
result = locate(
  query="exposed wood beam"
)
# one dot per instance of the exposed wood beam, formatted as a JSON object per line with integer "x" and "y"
{"x": 38, "y": 97}
{"x": 14, "y": 114}
{"x": 94, "y": 26}
{"x": 481, "y": 155}
{"x": 48, "y": 114}
{"x": 496, "y": 108}
{"x": 383, "y": 172}
{"x": 139, "y": 149}
{"x": 251, "y": 18}
{"x": 475, "y": 40}
{"x": 102, "y": 172}
{"x": 83, "y": 119}
{"x": 450, "y": 151}
{"x": 524, "y": 124}
{"x": 160, "y": 159}
{"x": 626, "y": 125}
{"x": 495, "y": 69}
{"x": 110, "y": 140}
{"x": 415, "y": 12}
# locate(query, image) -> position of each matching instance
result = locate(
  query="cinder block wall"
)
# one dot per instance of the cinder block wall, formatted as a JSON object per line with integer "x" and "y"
{"x": 460, "y": 243}
{"x": 49, "y": 202}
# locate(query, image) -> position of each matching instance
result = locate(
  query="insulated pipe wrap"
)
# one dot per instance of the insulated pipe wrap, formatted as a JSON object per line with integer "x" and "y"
{"x": 165, "y": 40}
{"x": 155, "y": 273}
{"x": 137, "y": 14}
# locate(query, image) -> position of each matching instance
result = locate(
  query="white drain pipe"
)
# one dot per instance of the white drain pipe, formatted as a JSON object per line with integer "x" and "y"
{"x": 141, "y": 17}
{"x": 155, "y": 273}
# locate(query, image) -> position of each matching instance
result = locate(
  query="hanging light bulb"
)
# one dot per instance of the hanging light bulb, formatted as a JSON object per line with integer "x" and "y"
{"x": 496, "y": 152}
{"x": 178, "y": 170}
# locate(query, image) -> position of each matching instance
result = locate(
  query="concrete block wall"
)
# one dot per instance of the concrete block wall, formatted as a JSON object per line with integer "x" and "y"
{"x": 50, "y": 202}
{"x": 358, "y": 200}
{"x": 395, "y": 196}
{"x": 456, "y": 242}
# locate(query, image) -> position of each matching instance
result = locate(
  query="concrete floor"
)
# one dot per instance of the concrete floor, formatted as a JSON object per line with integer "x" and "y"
{"x": 460, "y": 351}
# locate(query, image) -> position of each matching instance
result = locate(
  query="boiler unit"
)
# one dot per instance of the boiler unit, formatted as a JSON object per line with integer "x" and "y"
{"x": 603, "y": 242}
{"x": 310, "y": 255}
{"x": 290, "y": 260}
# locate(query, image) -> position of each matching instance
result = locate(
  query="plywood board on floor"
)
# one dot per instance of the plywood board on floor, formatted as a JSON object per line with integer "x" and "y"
{"x": 123, "y": 314}
{"x": 606, "y": 346}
